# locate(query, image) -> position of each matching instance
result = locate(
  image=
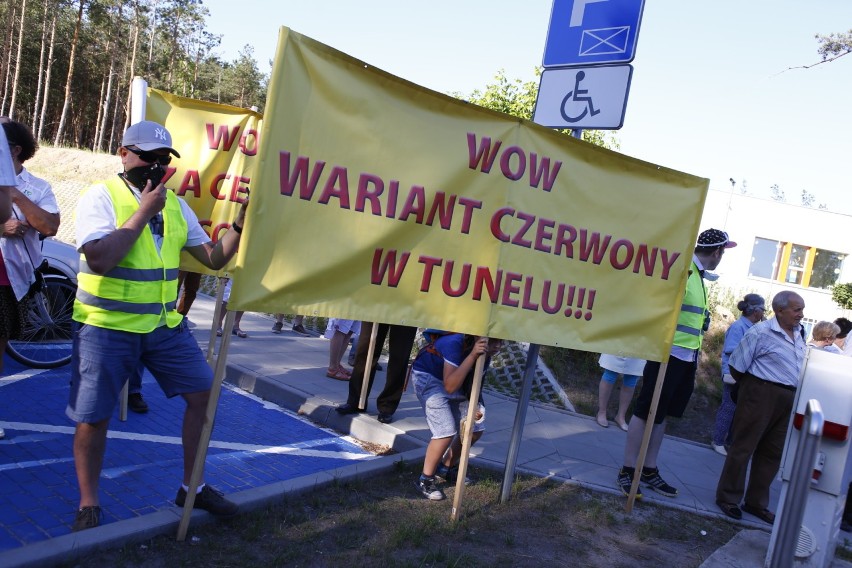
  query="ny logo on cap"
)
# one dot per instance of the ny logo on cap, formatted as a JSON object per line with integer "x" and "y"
{"x": 160, "y": 133}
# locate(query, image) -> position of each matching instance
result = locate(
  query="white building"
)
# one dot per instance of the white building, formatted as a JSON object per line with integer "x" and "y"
{"x": 782, "y": 247}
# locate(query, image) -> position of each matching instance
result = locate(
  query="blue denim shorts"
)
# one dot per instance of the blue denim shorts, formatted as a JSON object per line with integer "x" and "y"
{"x": 103, "y": 359}
{"x": 444, "y": 411}
{"x": 627, "y": 381}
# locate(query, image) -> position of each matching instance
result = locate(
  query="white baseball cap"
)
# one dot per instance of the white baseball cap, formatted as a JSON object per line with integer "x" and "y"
{"x": 148, "y": 135}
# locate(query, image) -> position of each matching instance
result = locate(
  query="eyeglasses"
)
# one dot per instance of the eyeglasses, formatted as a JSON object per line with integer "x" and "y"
{"x": 151, "y": 157}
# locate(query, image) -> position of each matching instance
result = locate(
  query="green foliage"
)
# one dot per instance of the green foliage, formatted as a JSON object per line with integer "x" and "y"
{"x": 842, "y": 295}
{"x": 166, "y": 42}
{"x": 518, "y": 98}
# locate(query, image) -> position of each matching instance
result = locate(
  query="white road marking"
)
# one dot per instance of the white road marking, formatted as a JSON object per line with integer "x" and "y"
{"x": 174, "y": 440}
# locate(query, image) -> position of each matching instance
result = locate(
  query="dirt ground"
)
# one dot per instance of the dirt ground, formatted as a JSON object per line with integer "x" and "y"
{"x": 383, "y": 521}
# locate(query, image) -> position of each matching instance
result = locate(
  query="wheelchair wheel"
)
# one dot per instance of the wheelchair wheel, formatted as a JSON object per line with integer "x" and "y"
{"x": 46, "y": 337}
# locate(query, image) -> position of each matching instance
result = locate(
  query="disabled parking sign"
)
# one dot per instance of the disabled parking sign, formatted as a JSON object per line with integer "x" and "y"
{"x": 583, "y": 97}
{"x": 591, "y": 32}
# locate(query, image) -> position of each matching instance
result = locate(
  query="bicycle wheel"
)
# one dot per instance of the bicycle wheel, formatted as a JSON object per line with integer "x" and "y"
{"x": 46, "y": 337}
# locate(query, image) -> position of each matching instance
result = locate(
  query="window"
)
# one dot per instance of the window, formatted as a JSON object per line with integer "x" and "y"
{"x": 764, "y": 258}
{"x": 826, "y": 268}
{"x": 795, "y": 264}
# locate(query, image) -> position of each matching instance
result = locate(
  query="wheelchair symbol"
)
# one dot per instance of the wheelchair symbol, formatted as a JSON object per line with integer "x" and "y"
{"x": 578, "y": 95}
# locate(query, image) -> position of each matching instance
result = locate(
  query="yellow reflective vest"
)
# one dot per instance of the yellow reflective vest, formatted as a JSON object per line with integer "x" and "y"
{"x": 690, "y": 322}
{"x": 138, "y": 293}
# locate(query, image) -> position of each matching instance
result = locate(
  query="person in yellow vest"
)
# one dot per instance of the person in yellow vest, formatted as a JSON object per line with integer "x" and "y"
{"x": 679, "y": 379}
{"x": 130, "y": 233}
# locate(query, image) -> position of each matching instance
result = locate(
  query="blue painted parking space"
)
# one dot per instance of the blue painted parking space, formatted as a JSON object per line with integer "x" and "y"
{"x": 254, "y": 443}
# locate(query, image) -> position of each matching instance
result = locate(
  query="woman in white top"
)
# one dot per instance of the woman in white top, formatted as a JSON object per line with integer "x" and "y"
{"x": 630, "y": 369}
{"x": 34, "y": 211}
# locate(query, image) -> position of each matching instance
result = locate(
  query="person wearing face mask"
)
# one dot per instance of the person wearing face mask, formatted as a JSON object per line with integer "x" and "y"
{"x": 35, "y": 211}
{"x": 130, "y": 233}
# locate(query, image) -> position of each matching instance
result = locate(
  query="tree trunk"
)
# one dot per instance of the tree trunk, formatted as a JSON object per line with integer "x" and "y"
{"x": 18, "y": 59}
{"x": 67, "y": 103}
{"x": 47, "y": 76}
{"x": 132, "y": 73}
{"x": 7, "y": 49}
{"x": 34, "y": 119}
{"x": 97, "y": 136}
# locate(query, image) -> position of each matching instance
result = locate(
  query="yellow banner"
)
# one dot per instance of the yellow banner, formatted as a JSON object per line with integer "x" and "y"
{"x": 218, "y": 145}
{"x": 380, "y": 200}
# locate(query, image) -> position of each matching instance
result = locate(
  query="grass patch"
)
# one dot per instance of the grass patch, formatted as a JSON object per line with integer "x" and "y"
{"x": 386, "y": 523}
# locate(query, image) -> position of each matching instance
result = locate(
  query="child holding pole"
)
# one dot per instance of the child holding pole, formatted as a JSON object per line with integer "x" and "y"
{"x": 442, "y": 374}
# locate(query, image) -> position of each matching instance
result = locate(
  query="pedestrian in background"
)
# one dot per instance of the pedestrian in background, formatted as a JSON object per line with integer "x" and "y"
{"x": 752, "y": 309}
{"x": 630, "y": 370}
{"x": 766, "y": 365}
{"x": 400, "y": 342}
{"x": 34, "y": 212}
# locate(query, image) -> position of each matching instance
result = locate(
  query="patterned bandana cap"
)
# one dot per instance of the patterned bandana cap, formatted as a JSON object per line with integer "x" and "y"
{"x": 715, "y": 238}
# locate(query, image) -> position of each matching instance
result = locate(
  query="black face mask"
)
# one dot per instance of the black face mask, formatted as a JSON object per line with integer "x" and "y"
{"x": 139, "y": 176}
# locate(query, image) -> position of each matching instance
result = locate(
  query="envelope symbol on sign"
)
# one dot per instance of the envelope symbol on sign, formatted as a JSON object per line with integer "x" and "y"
{"x": 604, "y": 41}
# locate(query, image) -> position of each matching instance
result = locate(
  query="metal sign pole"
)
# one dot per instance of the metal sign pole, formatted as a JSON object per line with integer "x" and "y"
{"x": 520, "y": 419}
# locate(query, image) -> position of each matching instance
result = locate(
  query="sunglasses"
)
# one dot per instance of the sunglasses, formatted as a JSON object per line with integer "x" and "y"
{"x": 151, "y": 157}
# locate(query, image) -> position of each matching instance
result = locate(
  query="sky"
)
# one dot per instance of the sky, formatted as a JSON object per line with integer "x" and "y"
{"x": 717, "y": 89}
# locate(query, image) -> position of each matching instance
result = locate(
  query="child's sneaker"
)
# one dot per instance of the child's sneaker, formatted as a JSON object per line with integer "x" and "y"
{"x": 450, "y": 474}
{"x": 625, "y": 480}
{"x": 429, "y": 488}
{"x": 651, "y": 478}
{"x": 277, "y": 327}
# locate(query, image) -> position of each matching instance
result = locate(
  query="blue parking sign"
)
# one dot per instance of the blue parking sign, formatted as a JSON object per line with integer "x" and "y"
{"x": 591, "y": 32}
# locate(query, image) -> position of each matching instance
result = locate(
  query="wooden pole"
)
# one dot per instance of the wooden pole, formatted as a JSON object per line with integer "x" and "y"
{"x": 217, "y": 313}
{"x": 467, "y": 435}
{"x": 646, "y": 436}
{"x": 368, "y": 366}
{"x": 207, "y": 429}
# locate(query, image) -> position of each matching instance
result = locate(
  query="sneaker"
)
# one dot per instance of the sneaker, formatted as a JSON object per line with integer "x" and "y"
{"x": 210, "y": 500}
{"x": 87, "y": 518}
{"x": 384, "y": 418}
{"x": 136, "y": 403}
{"x": 300, "y": 329}
{"x": 277, "y": 327}
{"x": 2, "y": 433}
{"x": 651, "y": 478}
{"x": 625, "y": 480}
{"x": 451, "y": 474}
{"x": 429, "y": 489}
{"x": 720, "y": 449}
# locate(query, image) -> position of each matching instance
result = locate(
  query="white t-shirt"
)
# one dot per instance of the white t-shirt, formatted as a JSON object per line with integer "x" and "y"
{"x": 22, "y": 255}
{"x": 96, "y": 219}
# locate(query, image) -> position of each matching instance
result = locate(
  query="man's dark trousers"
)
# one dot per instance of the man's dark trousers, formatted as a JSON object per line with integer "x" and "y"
{"x": 400, "y": 342}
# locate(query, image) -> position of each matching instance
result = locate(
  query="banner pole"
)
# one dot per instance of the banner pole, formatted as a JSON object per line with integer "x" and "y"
{"x": 368, "y": 366}
{"x": 467, "y": 436}
{"x": 217, "y": 314}
{"x": 138, "y": 99}
{"x": 207, "y": 429}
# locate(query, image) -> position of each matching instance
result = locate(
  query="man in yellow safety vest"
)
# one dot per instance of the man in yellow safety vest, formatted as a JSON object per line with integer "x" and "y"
{"x": 679, "y": 379}
{"x": 130, "y": 233}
